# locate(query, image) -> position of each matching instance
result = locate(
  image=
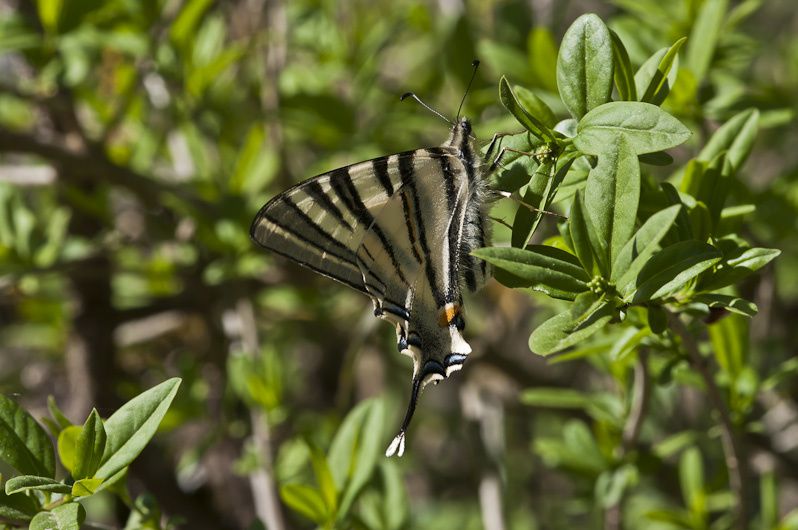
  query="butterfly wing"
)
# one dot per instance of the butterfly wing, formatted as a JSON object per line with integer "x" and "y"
{"x": 321, "y": 222}
{"x": 391, "y": 228}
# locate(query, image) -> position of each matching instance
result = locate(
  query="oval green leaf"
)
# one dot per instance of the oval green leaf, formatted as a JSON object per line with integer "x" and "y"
{"x": 580, "y": 238}
{"x": 637, "y": 251}
{"x": 24, "y": 483}
{"x": 586, "y": 316}
{"x": 671, "y": 268}
{"x": 538, "y": 267}
{"x": 612, "y": 194}
{"x": 511, "y": 103}
{"x": 657, "y": 75}
{"x": 65, "y": 517}
{"x": 647, "y": 128}
{"x": 306, "y": 501}
{"x": 584, "y": 65}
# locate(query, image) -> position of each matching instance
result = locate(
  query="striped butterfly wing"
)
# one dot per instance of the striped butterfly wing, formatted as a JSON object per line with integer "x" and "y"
{"x": 322, "y": 222}
{"x": 391, "y": 228}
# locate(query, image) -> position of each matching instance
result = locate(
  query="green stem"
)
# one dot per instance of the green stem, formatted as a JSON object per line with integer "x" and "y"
{"x": 732, "y": 445}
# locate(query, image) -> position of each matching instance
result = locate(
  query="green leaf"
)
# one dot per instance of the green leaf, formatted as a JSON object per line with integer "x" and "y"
{"x": 576, "y": 450}
{"x": 584, "y": 65}
{"x": 306, "y": 501}
{"x": 611, "y": 484}
{"x": 185, "y": 25}
{"x": 517, "y": 167}
{"x": 146, "y": 515}
{"x": 86, "y": 487}
{"x": 24, "y": 445}
{"x": 769, "y": 499}
{"x": 49, "y": 13}
{"x": 61, "y": 420}
{"x": 637, "y": 251}
{"x": 623, "y": 75}
{"x": 647, "y": 127}
{"x": 735, "y": 137}
{"x": 539, "y": 267}
{"x": 65, "y": 517}
{"x": 587, "y": 315}
{"x": 709, "y": 184}
{"x": 626, "y": 344}
{"x": 68, "y": 446}
{"x": 656, "y": 159}
{"x": 736, "y": 266}
{"x": 657, "y": 75}
{"x": 511, "y": 103}
{"x": 683, "y": 227}
{"x": 538, "y": 195}
{"x": 396, "y": 505}
{"x": 704, "y": 37}
{"x": 130, "y": 428}
{"x": 90, "y": 446}
{"x": 526, "y": 220}
{"x": 535, "y": 107}
{"x": 356, "y": 449}
{"x": 691, "y": 477}
{"x": 729, "y": 339}
{"x": 503, "y": 58}
{"x": 565, "y": 398}
{"x": 580, "y": 237}
{"x": 657, "y": 319}
{"x": 324, "y": 478}
{"x": 17, "y": 508}
{"x": 542, "y": 53}
{"x": 612, "y": 194}
{"x": 671, "y": 268}
{"x": 24, "y": 483}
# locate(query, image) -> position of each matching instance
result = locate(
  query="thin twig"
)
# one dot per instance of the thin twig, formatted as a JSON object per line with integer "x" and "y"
{"x": 733, "y": 449}
{"x": 264, "y": 488}
{"x": 631, "y": 430}
{"x": 640, "y": 394}
{"x": 98, "y": 168}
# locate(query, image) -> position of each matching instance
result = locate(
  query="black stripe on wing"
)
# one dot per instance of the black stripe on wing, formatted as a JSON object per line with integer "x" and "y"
{"x": 455, "y": 211}
{"x": 306, "y": 240}
{"x": 342, "y": 186}
{"x": 380, "y": 166}
{"x": 407, "y": 172}
{"x": 314, "y": 191}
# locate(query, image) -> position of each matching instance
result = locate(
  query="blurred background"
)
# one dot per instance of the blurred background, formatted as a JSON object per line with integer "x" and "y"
{"x": 139, "y": 138}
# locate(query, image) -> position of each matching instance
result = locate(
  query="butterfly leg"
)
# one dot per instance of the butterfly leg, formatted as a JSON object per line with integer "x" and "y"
{"x": 493, "y": 142}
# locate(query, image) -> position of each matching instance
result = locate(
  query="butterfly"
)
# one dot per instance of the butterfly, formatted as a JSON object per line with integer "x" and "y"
{"x": 400, "y": 229}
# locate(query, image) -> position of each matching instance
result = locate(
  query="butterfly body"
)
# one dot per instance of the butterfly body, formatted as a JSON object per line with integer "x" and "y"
{"x": 400, "y": 229}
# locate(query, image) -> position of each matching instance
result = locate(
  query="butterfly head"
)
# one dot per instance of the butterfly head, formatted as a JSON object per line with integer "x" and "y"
{"x": 462, "y": 135}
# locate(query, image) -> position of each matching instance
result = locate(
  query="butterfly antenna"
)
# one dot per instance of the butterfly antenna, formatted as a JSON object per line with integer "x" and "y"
{"x": 412, "y": 95}
{"x": 475, "y": 65}
{"x": 397, "y": 446}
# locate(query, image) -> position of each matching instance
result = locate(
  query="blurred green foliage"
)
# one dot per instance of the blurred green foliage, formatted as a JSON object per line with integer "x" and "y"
{"x": 138, "y": 139}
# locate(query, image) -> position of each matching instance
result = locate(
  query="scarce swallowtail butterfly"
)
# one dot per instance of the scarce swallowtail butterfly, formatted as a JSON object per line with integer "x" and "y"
{"x": 399, "y": 229}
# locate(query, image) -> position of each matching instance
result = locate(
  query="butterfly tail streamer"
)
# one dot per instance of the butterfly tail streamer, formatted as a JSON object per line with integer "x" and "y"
{"x": 397, "y": 445}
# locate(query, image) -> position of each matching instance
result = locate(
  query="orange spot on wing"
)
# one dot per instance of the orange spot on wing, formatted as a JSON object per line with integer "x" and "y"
{"x": 447, "y": 314}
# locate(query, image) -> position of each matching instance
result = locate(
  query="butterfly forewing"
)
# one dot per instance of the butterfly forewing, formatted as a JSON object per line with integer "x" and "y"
{"x": 318, "y": 223}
